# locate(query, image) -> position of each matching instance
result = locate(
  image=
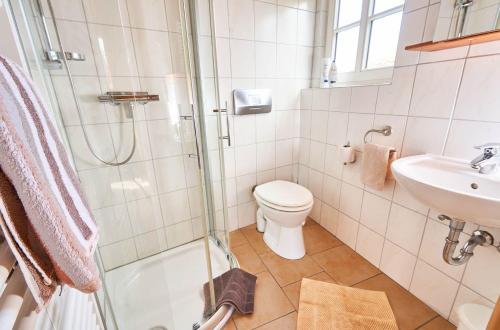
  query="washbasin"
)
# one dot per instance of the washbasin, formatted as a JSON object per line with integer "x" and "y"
{"x": 452, "y": 187}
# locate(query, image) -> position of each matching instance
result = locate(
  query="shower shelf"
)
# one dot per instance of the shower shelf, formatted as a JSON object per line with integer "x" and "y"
{"x": 128, "y": 97}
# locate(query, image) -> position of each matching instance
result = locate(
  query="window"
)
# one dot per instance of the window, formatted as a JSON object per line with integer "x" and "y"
{"x": 365, "y": 38}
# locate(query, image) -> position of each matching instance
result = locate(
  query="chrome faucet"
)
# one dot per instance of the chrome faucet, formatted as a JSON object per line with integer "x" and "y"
{"x": 489, "y": 159}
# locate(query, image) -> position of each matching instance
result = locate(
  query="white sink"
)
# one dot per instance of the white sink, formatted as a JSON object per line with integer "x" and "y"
{"x": 452, "y": 187}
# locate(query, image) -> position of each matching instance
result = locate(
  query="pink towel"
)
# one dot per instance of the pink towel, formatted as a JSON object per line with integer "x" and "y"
{"x": 34, "y": 161}
{"x": 377, "y": 161}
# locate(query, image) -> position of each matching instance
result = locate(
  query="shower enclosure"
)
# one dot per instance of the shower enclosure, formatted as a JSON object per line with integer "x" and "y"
{"x": 133, "y": 87}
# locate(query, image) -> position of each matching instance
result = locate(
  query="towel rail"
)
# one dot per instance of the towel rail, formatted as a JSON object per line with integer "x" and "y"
{"x": 71, "y": 310}
{"x": 386, "y": 131}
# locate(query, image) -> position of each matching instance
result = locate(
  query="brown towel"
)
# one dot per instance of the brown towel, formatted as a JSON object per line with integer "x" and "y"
{"x": 55, "y": 217}
{"x": 376, "y": 168}
{"x": 19, "y": 234}
{"x": 325, "y": 305}
{"x": 235, "y": 287}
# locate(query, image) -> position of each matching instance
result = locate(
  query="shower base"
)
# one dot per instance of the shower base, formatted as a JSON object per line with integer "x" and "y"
{"x": 165, "y": 290}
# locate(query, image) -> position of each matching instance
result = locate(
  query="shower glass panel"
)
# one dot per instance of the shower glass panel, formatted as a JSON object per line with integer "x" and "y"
{"x": 151, "y": 165}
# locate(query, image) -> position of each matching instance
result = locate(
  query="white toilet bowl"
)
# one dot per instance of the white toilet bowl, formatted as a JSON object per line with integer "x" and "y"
{"x": 285, "y": 206}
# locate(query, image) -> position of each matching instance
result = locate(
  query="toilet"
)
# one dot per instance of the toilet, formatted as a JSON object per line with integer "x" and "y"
{"x": 285, "y": 207}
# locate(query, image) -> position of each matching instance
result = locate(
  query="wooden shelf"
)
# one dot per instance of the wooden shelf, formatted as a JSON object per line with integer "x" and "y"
{"x": 431, "y": 46}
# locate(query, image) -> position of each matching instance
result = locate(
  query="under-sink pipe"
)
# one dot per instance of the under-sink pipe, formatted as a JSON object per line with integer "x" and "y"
{"x": 479, "y": 237}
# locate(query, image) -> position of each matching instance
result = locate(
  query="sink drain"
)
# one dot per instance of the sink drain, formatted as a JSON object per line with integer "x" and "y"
{"x": 158, "y": 327}
{"x": 474, "y": 185}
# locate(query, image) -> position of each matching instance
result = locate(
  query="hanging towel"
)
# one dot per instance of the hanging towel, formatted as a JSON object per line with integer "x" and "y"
{"x": 325, "y": 305}
{"x": 34, "y": 161}
{"x": 235, "y": 287}
{"x": 377, "y": 160}
{"x": 24, "y": 243}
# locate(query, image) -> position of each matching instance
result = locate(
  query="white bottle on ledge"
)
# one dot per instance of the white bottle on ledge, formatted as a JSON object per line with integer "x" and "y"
{"x": 325, "y": 71}
{"x": 332, "y": 76}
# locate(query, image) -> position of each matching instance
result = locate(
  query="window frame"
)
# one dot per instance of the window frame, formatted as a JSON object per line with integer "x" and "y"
{"x": 361, "y": 74}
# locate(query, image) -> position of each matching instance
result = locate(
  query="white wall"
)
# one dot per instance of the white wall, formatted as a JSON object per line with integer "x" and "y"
{"x": 263, "y": 44}
{"x": 443, "y": 102}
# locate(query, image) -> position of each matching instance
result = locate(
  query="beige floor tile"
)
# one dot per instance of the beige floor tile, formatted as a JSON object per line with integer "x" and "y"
{"x": 270, "y": 304}
{"x": 248, "y": 259}
{"x": 318, "y": 239}
{"x": 287, "y": 322}
{"x": 409, "y": 311}
{"x": 309, "y": 222}
{"x": 438, "y": 324}
{"x": 345, "y": 266}
{"x": 255, "y": 239}
{"x": 236, "y": 238}
{"x": 292, "y": 291}
{"x": 287, "y": 271}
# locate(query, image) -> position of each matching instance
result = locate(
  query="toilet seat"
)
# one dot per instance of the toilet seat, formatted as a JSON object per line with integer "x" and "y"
{"x": 282, "y": 208}
{"x": 284, "y": 195}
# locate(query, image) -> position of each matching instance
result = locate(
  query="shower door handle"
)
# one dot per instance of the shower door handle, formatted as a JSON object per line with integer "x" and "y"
{"x": 228, "y": 136}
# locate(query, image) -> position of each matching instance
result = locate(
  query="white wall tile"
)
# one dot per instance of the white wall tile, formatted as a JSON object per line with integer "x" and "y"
{"x": 169, "y": 174}
{"x": 287, "y": 25}
{"x": 265, "y": 60}
{"x": 364, "y": 99}
{"x": 405, "y": 228}
{"x": 435, "y": 89}
{"x": 478, "y": 97}
{"x": 432, "y": 141}
{"x": 340, "y": 99}
{"x": 351, "y": 198}
{"x": 397, "y": 264}
{"x": 266, "y": 156}
{"x": 369, "y": 245}
{"x": 434, "y": 288}
{"x": 242, "y": 58}
{"x": 395, "y": 98}
{"x": 149, "y": 14}
{"x": 331, "y": 191}
{"x": 175, "y": 206}
{"x": 329, "y": 218}
{"x": 241, "y": 19}
{"x": 179, "y": 234}
{"x": 347, "y": 230}
{"x": 284, "y": 152}
{"x": 265, "y": 21}
{"x": 245, "y": 159}
{"x": 337, "y": 128}
{"x": 375, "y": 213}
{"x": 319, "y": 125}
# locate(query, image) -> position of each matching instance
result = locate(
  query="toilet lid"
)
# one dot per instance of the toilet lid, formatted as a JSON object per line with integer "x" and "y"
{"x": 284, "y": 193}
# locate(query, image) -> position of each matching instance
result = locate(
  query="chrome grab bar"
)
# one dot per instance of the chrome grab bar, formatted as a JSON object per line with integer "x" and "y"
{"x": 128, "y": 97}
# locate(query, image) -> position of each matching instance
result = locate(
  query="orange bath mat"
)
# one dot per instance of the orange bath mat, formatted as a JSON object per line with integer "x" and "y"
{"x": 329, "y": 306}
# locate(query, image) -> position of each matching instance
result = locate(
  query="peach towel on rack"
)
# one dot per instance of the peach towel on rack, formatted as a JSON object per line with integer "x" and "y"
{"x": 376, "y": 169}
{"x": 52, "y": 232}
{"x": 325, "y": 305}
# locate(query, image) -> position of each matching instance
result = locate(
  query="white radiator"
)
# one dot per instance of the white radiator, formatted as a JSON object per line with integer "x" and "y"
{"x": 72, "y": 310}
